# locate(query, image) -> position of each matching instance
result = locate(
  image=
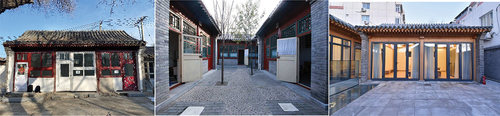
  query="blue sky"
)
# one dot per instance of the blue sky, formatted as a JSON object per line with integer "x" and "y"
{"x": 432, "y": 12}
{"x": 16, "y": 22}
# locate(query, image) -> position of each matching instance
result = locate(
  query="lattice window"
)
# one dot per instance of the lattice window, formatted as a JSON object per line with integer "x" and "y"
{"x": 305, "y": 24}
{"x": 288, "y": 32}
{"x": 174, "y": 21}
{"x": 188, "y": 29}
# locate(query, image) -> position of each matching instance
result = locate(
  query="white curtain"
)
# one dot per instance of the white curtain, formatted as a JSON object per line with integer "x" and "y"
{"x": 415, "y": 63}
{"x": 287, "y": 46}
{"x": 466, "y": 61}
{"x": 377, "y": 61}
{"x": 429, "y": 61}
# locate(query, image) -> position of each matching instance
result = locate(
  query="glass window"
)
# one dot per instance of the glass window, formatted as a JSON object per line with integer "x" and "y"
{"x": 151, "y": 67}
{"x": 305, "y": 24}
{"x": 105, "y": 72}
{"x": 115, "y": 59}
{"x": 36, "y": 60}
{"x": 64, "y": 70}
{"x": 47, "y": 73}
{"x": 47, "y": 60}
{"x": 366, "y": 5}
{"x": 397, "y": 20}
{"x": 191, "y": 45}
{"x": 487, "y": 19}
{"x": 429, "y": 60}
{"x": 89, "y": 60}
{"x": 77, "y": 72}
{"x": 78, "y": 60}
{"x": 116, "y": 73}
{"x": 398, "y": 8}
{"x": 377, "y": 55}
{"x": 105, "y": 59}
{"x": 365, "y": 18}
{"x": 89, "y": 73}
{"x": 34, "y": 73}
{"x": 288, "y": 32}
{"x": 466, "y": 52}
{"x": 129, "y": 69}
{"x": 188, "y": 29}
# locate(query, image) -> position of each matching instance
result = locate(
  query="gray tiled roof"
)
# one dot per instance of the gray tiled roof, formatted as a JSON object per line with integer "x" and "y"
{"x": 149, "y": 52}
{"x": 422, "y": 26}
{"x": 341, "y": 22}
{"x": 93, "y": 38}
{"x": 11, "y": 4}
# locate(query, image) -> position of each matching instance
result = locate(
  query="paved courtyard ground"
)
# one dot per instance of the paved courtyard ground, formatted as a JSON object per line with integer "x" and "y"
{"x": 244, "y": 95}
{"x": 82, "y": 106}
{"x": 413, "y": 98}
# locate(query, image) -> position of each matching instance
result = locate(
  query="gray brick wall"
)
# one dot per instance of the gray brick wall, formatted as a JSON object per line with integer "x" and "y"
{"x": 364, "y": 57}
{"x": 491, "y": 62}
{"x": 205, "y": 66}
{"x": 272, "y": 67}
{"x": 479, "y": 57}
{"x": 319, "y": 54}
{"x": 229, "y": 61}
{"x": 161, "y": 52}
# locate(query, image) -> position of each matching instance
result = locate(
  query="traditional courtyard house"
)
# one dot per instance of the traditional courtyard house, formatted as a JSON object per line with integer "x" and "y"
{"x": 293, "y": 43}
{"x": 485, "y": 14}
{"x": 191, "y": 41}
{"x": 344, "y": 55}
{"x": 55, "y": 61}
{"x": 430, "y": 52}
{"x": 238, "y": 51}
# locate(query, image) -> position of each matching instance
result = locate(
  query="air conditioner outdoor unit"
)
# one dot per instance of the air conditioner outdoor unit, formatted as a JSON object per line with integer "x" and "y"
{"x": 363, "y": 9}
{"x": 366, "y": 22}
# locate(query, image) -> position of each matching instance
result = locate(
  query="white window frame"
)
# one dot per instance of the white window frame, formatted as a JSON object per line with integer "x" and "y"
{"x": 83, "y": 68}
{"x": 362, "y": 19}
{"x": 398, "y": 7}
{"x": 487, "y": 19}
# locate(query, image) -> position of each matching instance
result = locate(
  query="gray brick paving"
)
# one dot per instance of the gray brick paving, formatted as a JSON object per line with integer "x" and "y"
{"x": 411, "y": 98}
{"x": 243, "y": 95}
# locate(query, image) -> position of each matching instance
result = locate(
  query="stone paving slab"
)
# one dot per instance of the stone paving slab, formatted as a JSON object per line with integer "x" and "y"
{"x": 244, "y": 94}
{"x": 303, "y": 107}
{"x": 435, "y": 98}
{"x": 211, "y": 108}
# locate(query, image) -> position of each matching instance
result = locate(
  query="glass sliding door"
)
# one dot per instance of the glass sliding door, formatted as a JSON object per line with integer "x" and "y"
{"x": 448, "y": 61}
{"x": 395, "y": 60}
{"x": 441, "y": 61}
{"x": 377, "y": 55}
{"x": 429, "y": 60}
{"x": 413, "y": 60}
{"x": 454, "y": 61}
{"x": 389, "y": 70}
{"x": 466, "y": 61}
{"x": 401, "y": 58}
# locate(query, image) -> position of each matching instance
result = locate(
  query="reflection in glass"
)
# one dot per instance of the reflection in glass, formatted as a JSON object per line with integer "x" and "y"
{"x": 192, "y": 45}
{"x": 429, "y": 60}
{"x": 377, "y": 61}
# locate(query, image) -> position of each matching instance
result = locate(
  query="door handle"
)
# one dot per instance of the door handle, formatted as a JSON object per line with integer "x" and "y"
{"x": 200, "y": 56}
{"x": 278, "y": 57}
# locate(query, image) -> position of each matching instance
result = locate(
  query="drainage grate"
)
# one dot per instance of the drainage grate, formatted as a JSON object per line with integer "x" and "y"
{"x": 427, "y": 84}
